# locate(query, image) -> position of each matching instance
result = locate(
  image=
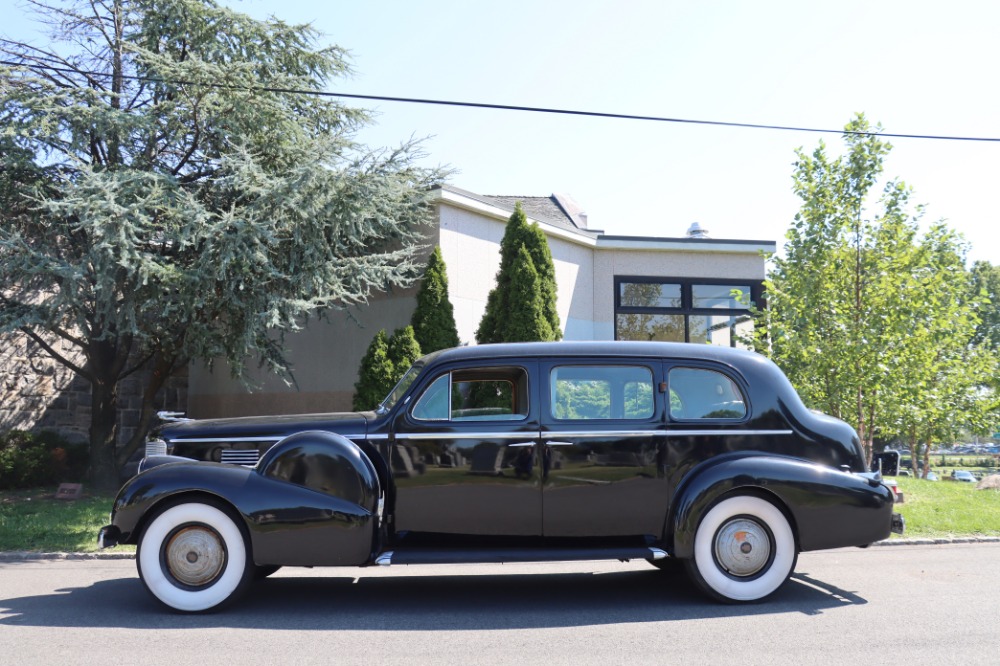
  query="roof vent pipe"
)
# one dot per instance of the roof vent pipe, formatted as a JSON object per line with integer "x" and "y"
{"x": 697, "y": 231}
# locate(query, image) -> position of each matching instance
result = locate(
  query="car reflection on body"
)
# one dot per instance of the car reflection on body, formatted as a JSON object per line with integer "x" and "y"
{"x": 513, "y": 453}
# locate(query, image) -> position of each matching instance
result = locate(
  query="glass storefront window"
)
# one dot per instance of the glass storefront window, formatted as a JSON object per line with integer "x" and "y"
{"x": 660, "y": 327}
{"x": 683, "y": 310}
{"x": 724, "y": 296}
{"x": 649, "y": 295}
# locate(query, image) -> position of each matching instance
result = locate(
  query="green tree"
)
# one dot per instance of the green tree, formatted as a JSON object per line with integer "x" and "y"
{"x": 403, "y": 351}
{"x": 375, "y": 377}
{"x": 863, "y": 314}
{"x": 501, "y": 307}
{"x": 986, "y": 292}
{"x": 164, "y": 200}
{"x": 433, "y": 319}
{"x": 942, "y": 371}
{"x": 527, "y": 321}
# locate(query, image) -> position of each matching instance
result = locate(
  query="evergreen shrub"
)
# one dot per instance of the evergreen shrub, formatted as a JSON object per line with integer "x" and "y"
{"x": 28, "y": 460}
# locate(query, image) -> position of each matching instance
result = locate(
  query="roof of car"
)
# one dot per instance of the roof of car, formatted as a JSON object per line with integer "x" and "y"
{"x": 605, "y": 348}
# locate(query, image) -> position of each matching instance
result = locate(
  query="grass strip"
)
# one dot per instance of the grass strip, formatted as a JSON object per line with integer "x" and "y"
{"x": 938, "y": 509}
{"x": 33, "y": 520}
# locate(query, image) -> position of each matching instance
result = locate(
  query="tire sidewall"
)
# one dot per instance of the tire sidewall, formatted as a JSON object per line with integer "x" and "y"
{"x": 709, "y": 575}
{"x": 159, "y": 583}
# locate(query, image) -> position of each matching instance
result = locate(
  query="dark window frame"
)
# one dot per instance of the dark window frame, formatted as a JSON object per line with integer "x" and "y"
{"x": 686, "y": 310}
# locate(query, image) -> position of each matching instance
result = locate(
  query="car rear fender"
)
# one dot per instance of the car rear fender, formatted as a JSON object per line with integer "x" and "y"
{"x": 826, "y": 508}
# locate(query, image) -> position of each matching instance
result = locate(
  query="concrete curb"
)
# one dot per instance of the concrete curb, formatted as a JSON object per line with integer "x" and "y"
{"x": 22, "y": 556}
{"x": 937, "y": 541}
{"x": 26, "y": 555}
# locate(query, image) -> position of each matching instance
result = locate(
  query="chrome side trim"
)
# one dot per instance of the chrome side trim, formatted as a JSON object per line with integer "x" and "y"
{"x": 658, "y": 554}
{"x": 732, "y": 433}
{"x": 272, "y": 438}
{"x": 385, "y": 559}
{"x": 369, "y": 437}
{"x": 593, "y": 434}
{"x": 224, "y": 439}
{"x": 466, "y": 435}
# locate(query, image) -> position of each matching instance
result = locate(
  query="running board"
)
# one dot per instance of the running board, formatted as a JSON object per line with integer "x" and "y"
{"x": 501, "y": 555}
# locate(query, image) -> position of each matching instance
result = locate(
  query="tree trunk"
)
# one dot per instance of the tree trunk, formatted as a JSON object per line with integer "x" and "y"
{"x": 105, "y": 361}
{"x": 103, "y": 434}
{"x": 162, "y": 369}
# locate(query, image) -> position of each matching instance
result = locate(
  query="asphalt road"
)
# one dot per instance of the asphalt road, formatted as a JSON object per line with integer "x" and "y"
{"x": 901, "y": 605}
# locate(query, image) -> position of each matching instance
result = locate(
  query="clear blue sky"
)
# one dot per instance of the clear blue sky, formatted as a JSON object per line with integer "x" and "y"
{"x": 915, "y": 66}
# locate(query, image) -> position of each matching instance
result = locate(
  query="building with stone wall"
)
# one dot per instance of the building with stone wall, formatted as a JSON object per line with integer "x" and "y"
{"x": 39, "y": 393}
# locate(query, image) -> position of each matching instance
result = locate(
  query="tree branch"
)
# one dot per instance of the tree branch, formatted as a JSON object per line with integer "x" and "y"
{"x": 83, "y": 372}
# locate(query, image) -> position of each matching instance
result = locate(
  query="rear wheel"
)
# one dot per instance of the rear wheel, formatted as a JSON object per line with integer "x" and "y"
{"x": 193, "y": 557}
{"x": 744, "y": 550}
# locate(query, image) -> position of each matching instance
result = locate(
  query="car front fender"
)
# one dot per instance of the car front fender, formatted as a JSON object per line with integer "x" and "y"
{"x": 314, "y": 500}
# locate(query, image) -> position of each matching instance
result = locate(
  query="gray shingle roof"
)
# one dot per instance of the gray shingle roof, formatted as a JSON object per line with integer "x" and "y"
{"x": 545, "y": 209}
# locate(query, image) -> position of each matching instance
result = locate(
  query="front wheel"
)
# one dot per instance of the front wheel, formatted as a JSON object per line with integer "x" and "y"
{"x": 193, "y": 557}
{"x": 744, "y": 550}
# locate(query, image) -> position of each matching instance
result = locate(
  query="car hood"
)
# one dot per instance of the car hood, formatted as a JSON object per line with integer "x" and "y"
{"x": 350, "y": 424}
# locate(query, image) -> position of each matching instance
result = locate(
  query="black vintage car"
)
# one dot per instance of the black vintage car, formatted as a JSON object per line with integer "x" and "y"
{"x": 512, "y": 453}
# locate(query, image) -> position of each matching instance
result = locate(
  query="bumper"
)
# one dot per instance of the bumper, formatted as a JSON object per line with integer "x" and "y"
{"x": 898, "y": 524}
{"x": 108, "y": 536}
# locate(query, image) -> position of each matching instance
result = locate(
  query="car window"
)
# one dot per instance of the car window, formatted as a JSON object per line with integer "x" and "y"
{"x": 698, "y": 393}
{"x": 402, "y": 386}
{"x": 586, "y": 392}
{"x": 482, "y": 394}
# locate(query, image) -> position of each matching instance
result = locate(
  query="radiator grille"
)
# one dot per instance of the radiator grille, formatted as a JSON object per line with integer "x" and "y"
{"x": 245, "y": 457}
{"x": 156, "y": 447}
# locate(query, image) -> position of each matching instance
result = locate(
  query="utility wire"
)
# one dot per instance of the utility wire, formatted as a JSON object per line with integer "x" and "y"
{"x": 507, "y": 107}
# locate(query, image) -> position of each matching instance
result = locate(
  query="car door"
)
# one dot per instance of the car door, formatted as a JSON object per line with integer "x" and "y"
{"x": 464, "y": 453}
{"x": 603, "y": 448}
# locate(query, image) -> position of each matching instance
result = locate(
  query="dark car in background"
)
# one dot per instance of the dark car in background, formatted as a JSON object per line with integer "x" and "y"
{"x": 513, "y": 453}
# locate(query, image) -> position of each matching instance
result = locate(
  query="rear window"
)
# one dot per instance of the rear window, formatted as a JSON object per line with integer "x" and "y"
{"x": 699, "y": 393}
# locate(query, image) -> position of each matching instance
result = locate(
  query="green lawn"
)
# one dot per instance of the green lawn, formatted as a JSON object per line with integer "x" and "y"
{"x": 936, "y": 509}
{"x": 33, "y": 520}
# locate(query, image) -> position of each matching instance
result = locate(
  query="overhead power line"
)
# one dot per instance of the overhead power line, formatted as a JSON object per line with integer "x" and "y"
{"x": 509, "y": 107}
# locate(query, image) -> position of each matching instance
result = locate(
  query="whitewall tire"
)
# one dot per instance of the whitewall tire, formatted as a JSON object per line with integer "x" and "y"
{"x": 744, "y": 550}
{"x": 193, "y": 557}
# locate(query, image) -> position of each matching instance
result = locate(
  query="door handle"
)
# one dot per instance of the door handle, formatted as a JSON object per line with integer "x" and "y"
{"x": 518, "y": 445}
{"x": 559, "y": 443}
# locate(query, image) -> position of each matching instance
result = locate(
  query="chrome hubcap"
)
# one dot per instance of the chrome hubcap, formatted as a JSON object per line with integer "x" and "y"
{"x": 742, "y": 547}
{"x": 195, "y": 556}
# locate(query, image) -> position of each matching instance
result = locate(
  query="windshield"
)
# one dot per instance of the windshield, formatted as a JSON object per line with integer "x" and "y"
{"x": 396, "y": 394}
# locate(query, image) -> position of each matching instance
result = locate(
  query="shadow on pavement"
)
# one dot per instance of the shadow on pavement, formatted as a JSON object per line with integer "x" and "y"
{"x": 424, "y": 603}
